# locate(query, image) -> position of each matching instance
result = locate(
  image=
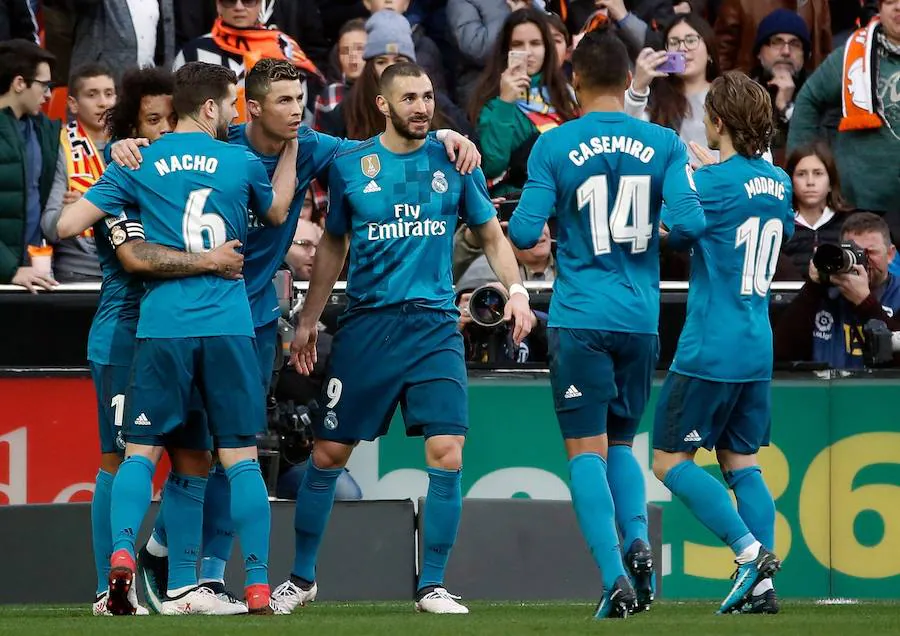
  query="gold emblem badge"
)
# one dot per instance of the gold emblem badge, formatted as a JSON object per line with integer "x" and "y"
{"x": 371, "y": 165}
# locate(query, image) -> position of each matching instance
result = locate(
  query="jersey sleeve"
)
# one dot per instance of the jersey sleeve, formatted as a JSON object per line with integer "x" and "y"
{"x": 476, "y": 207}
{"x": 337, "y": 222}
{"x": 260, "y": 188}
{"x": 112, "y": 193}
{"x": 538, "y": 198}
{"x": 683, "y": 215}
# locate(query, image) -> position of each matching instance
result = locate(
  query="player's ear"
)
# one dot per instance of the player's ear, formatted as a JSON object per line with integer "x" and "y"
{"x": 382, "y": 104}
{"x": 254, "y": 108}
{"x": 209, "y": 108}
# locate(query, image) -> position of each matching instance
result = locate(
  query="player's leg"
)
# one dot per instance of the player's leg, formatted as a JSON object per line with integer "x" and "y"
{"x": 736, "y": 451}
{"x": 583, "y": 383}
{"x": 691, "y": 413}
{"x": 634, "y": 361}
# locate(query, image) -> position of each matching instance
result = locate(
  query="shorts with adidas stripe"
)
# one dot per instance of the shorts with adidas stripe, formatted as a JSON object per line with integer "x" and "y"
{"x": 601, "y": 381}
{"x": 692, "y": 413}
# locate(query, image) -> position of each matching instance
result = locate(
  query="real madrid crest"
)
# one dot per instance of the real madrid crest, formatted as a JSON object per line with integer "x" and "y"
{"x": 117, "y": 236}
{"x": 439, "y": 182}
{"x": 371, "y": 165}
{"x": 331, "y": 420}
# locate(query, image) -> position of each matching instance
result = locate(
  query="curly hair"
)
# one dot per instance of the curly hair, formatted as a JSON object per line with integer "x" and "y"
{"x": 137, "y": 83}
{"x": 745, "y": 109}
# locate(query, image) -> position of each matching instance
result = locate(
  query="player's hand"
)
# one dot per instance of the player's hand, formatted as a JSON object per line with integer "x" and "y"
{"x": 704, "y": 156}
{"x": 645, "y": 72}
{"x": 853, "y": 286}
{"x": 127, "y": 152}
{"x": 784, "y": 82}
{"x": 462, "y": 151}
{"x": 303, "y": 348}
{"x": 71, "y": 196}
{"x": 226, "y": 261}
{"x": 465, "y": 317}
{"x": 513, "y": 84}
{"x": 682, "y": 8}
{"x": 30, "y": 279}
{"x": 615, "y": 8}
{"x": 518, "y": 312}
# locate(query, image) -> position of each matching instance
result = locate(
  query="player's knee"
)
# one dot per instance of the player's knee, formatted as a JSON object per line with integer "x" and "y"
{"x": 329, "y": 455}
{"x": 109, "y": 462}
{"x": 663, "y": 462}
{"x": 729, "y": 461}
{"x": 444, "y": 451}
{"x": 191, "y": 462}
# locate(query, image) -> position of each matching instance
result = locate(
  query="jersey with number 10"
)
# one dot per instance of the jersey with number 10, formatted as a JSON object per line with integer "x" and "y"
{"x": 727, "y": 336}
{"x": 193, "y": 194}
{"x": 607, "y": 174}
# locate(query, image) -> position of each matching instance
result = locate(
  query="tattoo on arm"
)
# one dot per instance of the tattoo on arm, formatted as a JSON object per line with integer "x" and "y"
{"x": 165, "y": 262}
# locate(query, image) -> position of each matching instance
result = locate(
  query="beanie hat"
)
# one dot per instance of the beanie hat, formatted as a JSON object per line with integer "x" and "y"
{"x": 782, "y": 21}
{"x": 388, "y": 33}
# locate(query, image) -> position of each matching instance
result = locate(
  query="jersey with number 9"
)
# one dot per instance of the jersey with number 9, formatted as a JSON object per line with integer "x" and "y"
{"x": 193, "y": 194}
{"x": 607, "y": 175}
{"x": 749, "y": 210}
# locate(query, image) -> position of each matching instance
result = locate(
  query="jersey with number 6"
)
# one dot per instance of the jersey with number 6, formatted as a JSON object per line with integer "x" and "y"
{"x": 607, "y": 175}
{"x": 749, "y": 211}
{"x": 193, "y": 194}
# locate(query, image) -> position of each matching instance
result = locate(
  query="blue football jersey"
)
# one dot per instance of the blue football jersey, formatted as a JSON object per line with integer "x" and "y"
{"x": 193, "y": 194}
{"x": 605, "y": 177}
{"x": 266, "y": 246}
{"x": 401, "y": 211}
{"x": 727, "y": 335}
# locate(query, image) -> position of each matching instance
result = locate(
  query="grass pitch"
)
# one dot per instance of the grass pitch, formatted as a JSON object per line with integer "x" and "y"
{"x": 489, "y": 619}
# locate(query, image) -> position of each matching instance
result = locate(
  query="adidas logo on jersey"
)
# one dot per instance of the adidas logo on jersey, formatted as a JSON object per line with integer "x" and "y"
{"x": 372, "y": 187}
{"x": 142, "y": 420}
{"x": 693, "y": 436}
{"x": 572, "y": 392}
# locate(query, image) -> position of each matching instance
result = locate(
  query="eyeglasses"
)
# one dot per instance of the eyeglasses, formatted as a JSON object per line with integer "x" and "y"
{"x": 48, "y": 85}
{"x": 306, "y": 244}
{"x": 795, "y": 44}
{"x": 230, "y": 4}
{"x": 690, "y": 42}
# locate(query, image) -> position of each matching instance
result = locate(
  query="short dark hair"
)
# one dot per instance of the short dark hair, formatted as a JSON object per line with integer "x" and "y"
{"x": 84, "y": 72}
{"x": 400, "y": 69}
{"x": 745, "y": 109}
{"x": 21, "y": 57}
{"x": 137, "y": 83}
{"x": 259, "y": 80}
{"x": 198, "y": 82}
{"x": 865, "y": 222}
{"x": 601, "y": 60}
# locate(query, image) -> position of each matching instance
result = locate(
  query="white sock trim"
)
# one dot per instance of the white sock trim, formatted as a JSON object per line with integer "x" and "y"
{"x": 750, "y": 553}
{"x": 156, "y": 548}
{"x": 763, "y": 586}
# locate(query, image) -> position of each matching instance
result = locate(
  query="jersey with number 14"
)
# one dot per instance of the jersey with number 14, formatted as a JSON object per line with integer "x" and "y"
{"x": 193, "y": 194}
{"x": 607, "y": 175}
{"x": 727, "y": 336}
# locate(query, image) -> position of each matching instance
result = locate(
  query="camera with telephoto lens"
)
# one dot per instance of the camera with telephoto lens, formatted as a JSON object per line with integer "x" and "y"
{"x": 838, "y": 258}
{"x": 879, "y": 344}
{"x": 487, "y": 305}
{"x": 290, "y": 429}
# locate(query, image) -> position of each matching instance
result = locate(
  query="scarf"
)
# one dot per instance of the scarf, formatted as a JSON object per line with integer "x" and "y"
{"x": 536, "y": 106}
{"x": 858, "y": 96}
{"x": 256, "y": 43}
{"x": 84, "y": 163}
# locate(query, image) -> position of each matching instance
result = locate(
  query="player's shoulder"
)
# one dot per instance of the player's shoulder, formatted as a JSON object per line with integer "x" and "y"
{"x": 236, "y": 133}
{"x": 350, "y": 153}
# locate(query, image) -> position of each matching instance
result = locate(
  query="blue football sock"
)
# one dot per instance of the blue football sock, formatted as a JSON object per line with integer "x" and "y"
{"x": 218, "y": 530}
{"x": 184, "y": 518}
{"x": 315, "y": 498}
{"x": 443, "y": 507}
{"x": 596, "y": 516}
{"x": 131, "y": 493}
{"x": 709, "y": 501}
{"x": 629, "y": 493}
{"x": 754, "y": 503}
{"x": 252, "y": 518}
{"x": 159, "y": 526}
{"x": 101, "y": 532}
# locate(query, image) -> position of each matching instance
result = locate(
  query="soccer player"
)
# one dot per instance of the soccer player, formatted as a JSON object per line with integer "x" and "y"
{"x": 606, "y": 175}
{"x": 394, "y": 203}
{"x": 193, "y": 193}
{"x": 717, "y": 392}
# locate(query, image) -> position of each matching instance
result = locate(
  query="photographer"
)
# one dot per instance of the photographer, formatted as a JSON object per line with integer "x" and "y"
{"x": 824, "y": 323}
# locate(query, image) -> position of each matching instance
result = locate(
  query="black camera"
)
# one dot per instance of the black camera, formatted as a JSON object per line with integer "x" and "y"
{"x": 487, "y": 305}
{"x": 879, "y": 344}
{"x": 290, "y": 429}
{"x": 506, "y": 208}
{"x": 840, "y": 258}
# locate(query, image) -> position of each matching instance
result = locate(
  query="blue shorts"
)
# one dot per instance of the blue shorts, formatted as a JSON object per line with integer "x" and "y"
{"x": 407, "y": 355}
{"x": 111, "y": 386}
{"x": 692, "y": 413}
{"x": 266, "y": 342}
{"x": 223, "y": 369}
{"x": 601, "y": 381}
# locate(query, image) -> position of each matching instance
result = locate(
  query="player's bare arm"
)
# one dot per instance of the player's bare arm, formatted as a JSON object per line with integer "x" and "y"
{"x": 330, "y": 256}
{"x": 77, "y": 217}
{"x": 157, "y": 261}
{"x": 499, "y": 254}
{"x": 284, "y": 183}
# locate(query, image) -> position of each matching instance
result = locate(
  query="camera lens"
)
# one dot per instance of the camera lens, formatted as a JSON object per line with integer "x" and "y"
{"x": 833, "y": 259}
{"x": 486, "y": 306}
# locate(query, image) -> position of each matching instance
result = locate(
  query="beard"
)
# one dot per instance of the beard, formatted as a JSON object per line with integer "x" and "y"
{"x": 404, "y": 128}
{"x": 222, "y": 130}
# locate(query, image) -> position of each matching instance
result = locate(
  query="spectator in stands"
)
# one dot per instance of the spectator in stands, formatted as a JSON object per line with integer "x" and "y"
{"x": 782, "y": 47}
{"x": 512, "y": 106}
{"x": 238, "y": 41}
{"x": 849, "y": 15}
{"x": 535, "y": 264}
{"x": 428, "y": 56}
{"x": 475, "y": 24}
{"x": 17, "y": 21}
{"x": 818, "y": 204}
{"x": 302, "y": 252}
{"x": 26, "y": 137}
{"x": 92, "y": 92}
{"x": 677, "y": 101}
{"x": 824, "y": 322}
{"x": 344, "y": 67}
{"x": 357, "y": 117}
{"x": 562, "y": 42}
{"x": 646, "y": 15}
{"x": 739, "y": 20}
{"x": 865, "y": 84}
